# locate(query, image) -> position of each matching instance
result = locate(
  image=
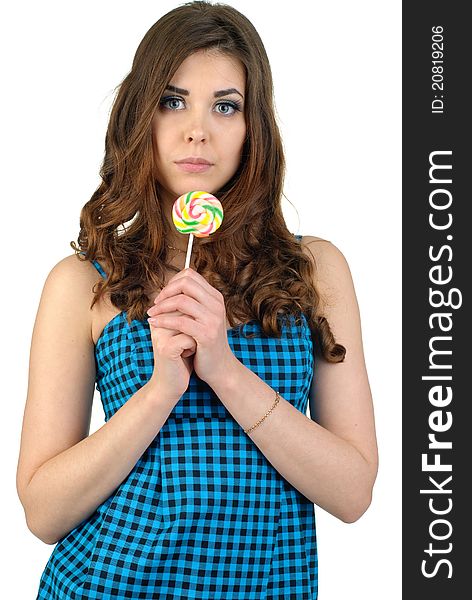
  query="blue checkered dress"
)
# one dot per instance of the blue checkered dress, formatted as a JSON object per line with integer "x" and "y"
{"x": 203, "y": 514}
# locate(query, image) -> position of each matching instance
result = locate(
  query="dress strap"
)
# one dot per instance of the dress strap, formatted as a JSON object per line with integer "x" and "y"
{"x": 98, "y": 266}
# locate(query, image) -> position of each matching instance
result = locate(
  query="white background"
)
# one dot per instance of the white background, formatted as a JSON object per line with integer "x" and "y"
{"x": 336, "y": 68}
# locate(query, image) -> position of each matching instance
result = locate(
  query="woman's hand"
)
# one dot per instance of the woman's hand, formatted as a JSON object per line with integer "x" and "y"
{"x": 173, "y": 361}
{"x": 203, "y": 318}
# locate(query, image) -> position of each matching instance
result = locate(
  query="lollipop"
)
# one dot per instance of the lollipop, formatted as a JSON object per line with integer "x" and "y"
{"x": 197, "y": 213}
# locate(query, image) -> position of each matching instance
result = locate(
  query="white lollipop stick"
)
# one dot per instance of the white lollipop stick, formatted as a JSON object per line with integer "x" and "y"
{"x": 189, "y": 251}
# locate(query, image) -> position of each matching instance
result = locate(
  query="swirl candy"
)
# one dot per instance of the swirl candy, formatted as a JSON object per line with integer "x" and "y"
{"x": 197, "y": 213}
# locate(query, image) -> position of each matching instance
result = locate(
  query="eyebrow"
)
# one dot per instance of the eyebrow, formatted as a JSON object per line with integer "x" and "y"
{"x": 217, "y": 94}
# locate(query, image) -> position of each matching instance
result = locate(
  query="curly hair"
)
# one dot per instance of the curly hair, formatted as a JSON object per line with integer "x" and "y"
{"x": 253, "y": 260}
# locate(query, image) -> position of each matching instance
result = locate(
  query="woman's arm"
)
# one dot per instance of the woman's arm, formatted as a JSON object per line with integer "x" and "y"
{"x": 63, "y": 475}
{"x": 331, "y": 459}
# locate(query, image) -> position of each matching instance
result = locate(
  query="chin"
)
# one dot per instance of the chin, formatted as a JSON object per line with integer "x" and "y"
{"x": 196, "y": 186}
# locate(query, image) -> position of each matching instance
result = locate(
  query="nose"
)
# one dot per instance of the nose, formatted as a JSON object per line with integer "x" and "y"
{"x": 196, "y": 137}
{"x": 196, "y": 134}
{"x": 196, "y": 127}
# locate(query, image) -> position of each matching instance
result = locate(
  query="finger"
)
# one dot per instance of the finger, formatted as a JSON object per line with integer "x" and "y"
{"x": 192, "y": 288}
{"x": 181, "y": 303}
{"x": 191, "y": 278}
{"x": 182, "y": 344}
{"x": 153, "y": 325}
{"x": 176, "y": 276}
{"x": 189, "y": 272}
{"x": 182, "y": 324}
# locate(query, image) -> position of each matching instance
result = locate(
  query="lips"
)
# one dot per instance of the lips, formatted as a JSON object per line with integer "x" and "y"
{"x": 193, "y": 167}
{"x": 194, "y": 160}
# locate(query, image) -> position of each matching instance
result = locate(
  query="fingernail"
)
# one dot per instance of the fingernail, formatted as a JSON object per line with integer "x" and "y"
{"x": 152, "y": 320}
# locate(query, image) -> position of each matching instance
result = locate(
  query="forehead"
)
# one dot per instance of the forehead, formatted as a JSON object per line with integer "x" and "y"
{"x": 210, "y": 66}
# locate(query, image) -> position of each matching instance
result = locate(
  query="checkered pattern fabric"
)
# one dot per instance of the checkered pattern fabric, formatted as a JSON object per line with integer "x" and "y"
{"x": 203, "y": 514}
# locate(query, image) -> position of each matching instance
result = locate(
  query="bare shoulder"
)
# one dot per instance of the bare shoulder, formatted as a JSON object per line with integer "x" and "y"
{"x": 326, "y": 254}
{"x": 69, "y": 284}
{"x": 73, "y": 267}
{"x": 332, "y": 273}
{"x": 316, "y": 246}
{"x": 308, "y": 239}
{"x": 79, "y": 273}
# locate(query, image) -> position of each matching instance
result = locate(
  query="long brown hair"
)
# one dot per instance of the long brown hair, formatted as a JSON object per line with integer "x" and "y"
{"x": 252, "y": 259}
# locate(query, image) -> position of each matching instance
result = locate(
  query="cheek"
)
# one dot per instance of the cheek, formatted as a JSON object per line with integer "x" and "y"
{"x": 242, "y": 137}
{"x": 240, "y": 145}
{"x": 156, "y": 141}
{"x": 162, "y": 134}
{"x": 162, "y": 146}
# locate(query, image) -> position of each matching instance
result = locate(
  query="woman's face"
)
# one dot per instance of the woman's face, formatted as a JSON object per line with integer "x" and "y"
{"x": 200, "y": 115}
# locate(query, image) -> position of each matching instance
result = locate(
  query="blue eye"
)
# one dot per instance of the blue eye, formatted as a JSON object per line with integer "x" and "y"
{"x": 167, "y": 99}
{"x": 235, "y": 105}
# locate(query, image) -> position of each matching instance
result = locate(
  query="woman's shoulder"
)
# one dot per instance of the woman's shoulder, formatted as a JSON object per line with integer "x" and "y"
{"x": 317, "y": 248}
{"x": 309, "y": 239}
{"x": 73, "y": 278}
{"x": 331, "y": 267}
{"x": 75, "y": 268}
{"x": 68, "y": 290}
{"x": 320, "y": 247}
{"x": 326, "y": 254}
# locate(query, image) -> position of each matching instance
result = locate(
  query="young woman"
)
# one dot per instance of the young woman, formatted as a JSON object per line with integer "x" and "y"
{"x": 202, "y": 481}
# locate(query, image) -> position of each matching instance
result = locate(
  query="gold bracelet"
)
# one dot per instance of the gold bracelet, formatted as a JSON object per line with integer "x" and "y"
{"x": 277, "y": 396}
